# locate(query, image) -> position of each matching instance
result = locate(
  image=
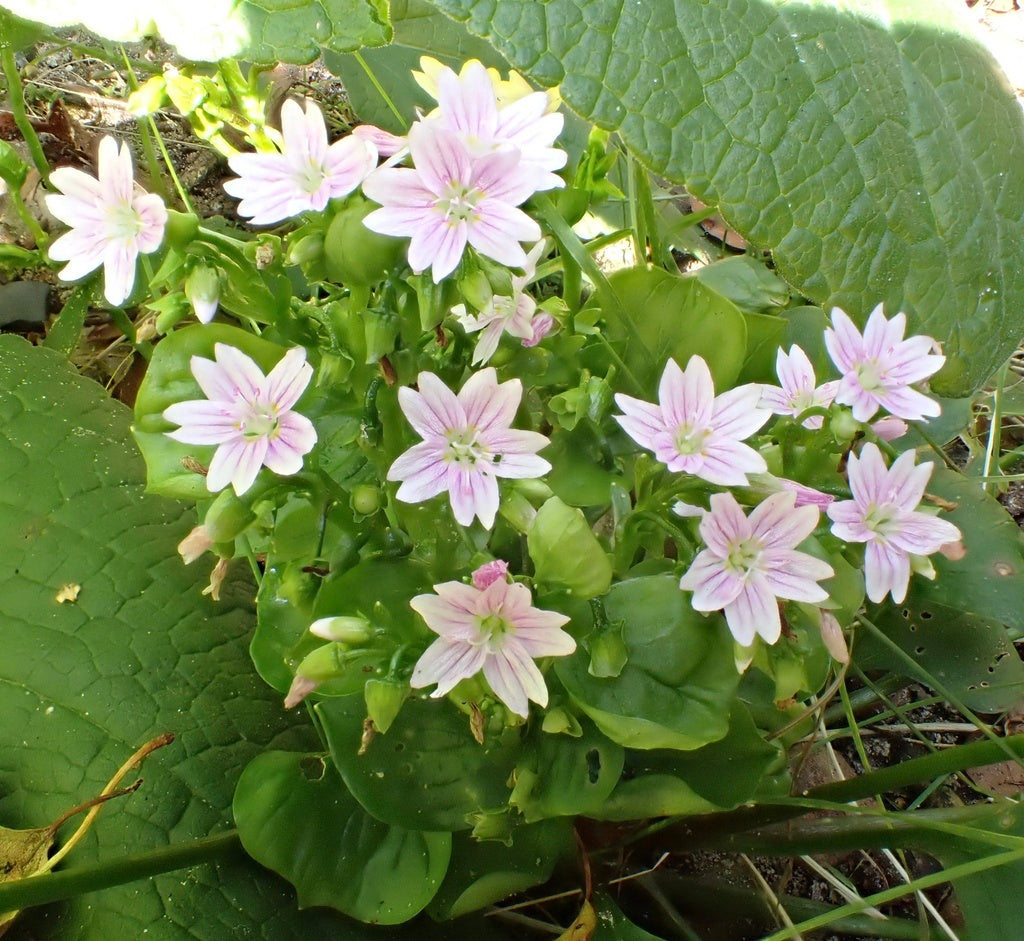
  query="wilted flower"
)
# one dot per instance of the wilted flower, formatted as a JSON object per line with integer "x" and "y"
{"x": 305, "y": 175}
{"x": 883, "y": 513}
{"x": 468, "y": 442}
{"x": 751, "y": 561}
{"x": 111, "y": 223}
{"x": 247, "y": 415}
{"x": 512, "y": 315}
{"x": 879, "y": 367}
{"x": 195, "y": 544}
{"x": 798, "y": 391}
{"x": 451, "y": 199}
{"x": 691, "y": 430}
{"x": 495, "y": 629}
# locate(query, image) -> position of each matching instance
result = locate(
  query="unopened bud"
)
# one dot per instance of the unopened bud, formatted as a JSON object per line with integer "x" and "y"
{"x": 202, "y": 288}
{"x": 384, "y": 700}
{"x": 833, "y": 638}
{"x": 345, "y": 630}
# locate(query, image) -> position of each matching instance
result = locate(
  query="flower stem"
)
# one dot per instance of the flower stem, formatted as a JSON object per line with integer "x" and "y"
{"x": 17, "y": 96}
{"x": 68, "y": 883}
{"x": 381, "y": 90}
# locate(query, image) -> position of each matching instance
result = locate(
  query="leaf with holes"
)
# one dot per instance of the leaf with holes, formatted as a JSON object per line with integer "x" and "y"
{"x": 863, "y": 143}
{"x": 138, "y": 653}
{"x": 989, "y": 580}
{"x": 970, "y": 655}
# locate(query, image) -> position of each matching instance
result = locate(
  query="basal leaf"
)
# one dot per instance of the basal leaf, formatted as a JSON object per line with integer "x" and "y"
{"x": 295, "y": 816}
{"x": 677, "y": 685}
{"x": 864, "y": 143}
{"x": 483, "y": 872}
{"x": 427, "y": 772}
{"x": 988, "y": 580}
{"x": 139, "y": 653}
{"x": 208, "y": 30}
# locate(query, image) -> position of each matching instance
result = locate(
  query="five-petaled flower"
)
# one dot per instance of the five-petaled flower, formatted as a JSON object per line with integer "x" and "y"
{"x": 468, "y": 105}
{"x": 468, "y": 442}
{"x": 247, "y": 415}
{"x": 798, "y": 391}
{"x": 883, "y": 513}
{"x": 493, "y": 628}
{"x": 751, "y": 561}
{"x": 305, "y": 175}
{"x": 512, "y": 315}
{"x": 111, "y": 223}
{"x": 879, "y": 366}
{"x": 692, "y": 430}
{"x": 452, "y": 199}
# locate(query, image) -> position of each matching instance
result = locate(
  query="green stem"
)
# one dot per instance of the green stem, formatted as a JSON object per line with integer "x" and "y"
{"x": 914, "y": 669}
{"x": 41, "y": 238}
{"x": 925, "y": 768}
{"x": 995, "y": 428}
{"x": 381, "y": 90}
{"x": 890, "y": 895}
{"x": 68, "y": 883}
{"x": 17, "y": 95}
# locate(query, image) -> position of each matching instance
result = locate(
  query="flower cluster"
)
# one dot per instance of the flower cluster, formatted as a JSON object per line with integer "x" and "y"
{"x": 750, "y": 561}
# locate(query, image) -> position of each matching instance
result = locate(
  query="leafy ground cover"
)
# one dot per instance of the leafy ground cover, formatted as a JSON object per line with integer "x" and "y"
{"x": 656, "y": 789}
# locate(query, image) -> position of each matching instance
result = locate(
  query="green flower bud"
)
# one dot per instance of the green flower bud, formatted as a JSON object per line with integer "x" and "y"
{"x": 384, "y": 700}
{"x": 182, "y": 228}
{"x": 227, "y": 517}
{"x": 366, "y": 499}
{"x": 353, "y": 253}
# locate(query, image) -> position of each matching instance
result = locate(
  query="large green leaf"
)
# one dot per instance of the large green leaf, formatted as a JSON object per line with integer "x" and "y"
{"x": 865, "y": 144}
{"x": 427, "y": 772}
{"x": 258, "y": 30}
{"x": 295, "y": 816}
{"x": 139, "y": 653}
{"x": 677, "y": 685}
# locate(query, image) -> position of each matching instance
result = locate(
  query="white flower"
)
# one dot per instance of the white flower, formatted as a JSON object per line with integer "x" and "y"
{"x": 112, "y": 224}
{"x": 247, "y": 415}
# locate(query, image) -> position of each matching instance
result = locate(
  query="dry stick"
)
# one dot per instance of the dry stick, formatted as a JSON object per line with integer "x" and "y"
{"x": 151, "y": 746}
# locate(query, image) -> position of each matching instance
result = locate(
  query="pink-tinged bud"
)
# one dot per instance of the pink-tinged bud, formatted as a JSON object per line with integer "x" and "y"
{"x": 833, "y": 638}
{"x": 194, "y": 545}
{"x": 217, "y": 576}
{"x": 688, "y": 510}
{"x": 202, "y": 288}
{"x": 542, "y": 325}
{"x": 301, "y": 687}
{"x": 387, "y": 144}
{"x": 890, "y": 428}
{"x": 805, "y": 496}
{"x": 490, "y": 573}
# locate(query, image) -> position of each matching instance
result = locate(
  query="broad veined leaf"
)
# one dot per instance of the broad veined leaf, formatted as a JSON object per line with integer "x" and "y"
{"x": 677, "y": 685}
{"x": 138, "y": 653}
{"x": 419, "y": 29}
{"x": 295, "y": 816}
{"x": 864, "y": 144}
{"x": 208, "y": 30}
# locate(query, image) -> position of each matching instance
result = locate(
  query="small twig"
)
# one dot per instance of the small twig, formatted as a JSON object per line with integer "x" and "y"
{"x": 773, "y": 899}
